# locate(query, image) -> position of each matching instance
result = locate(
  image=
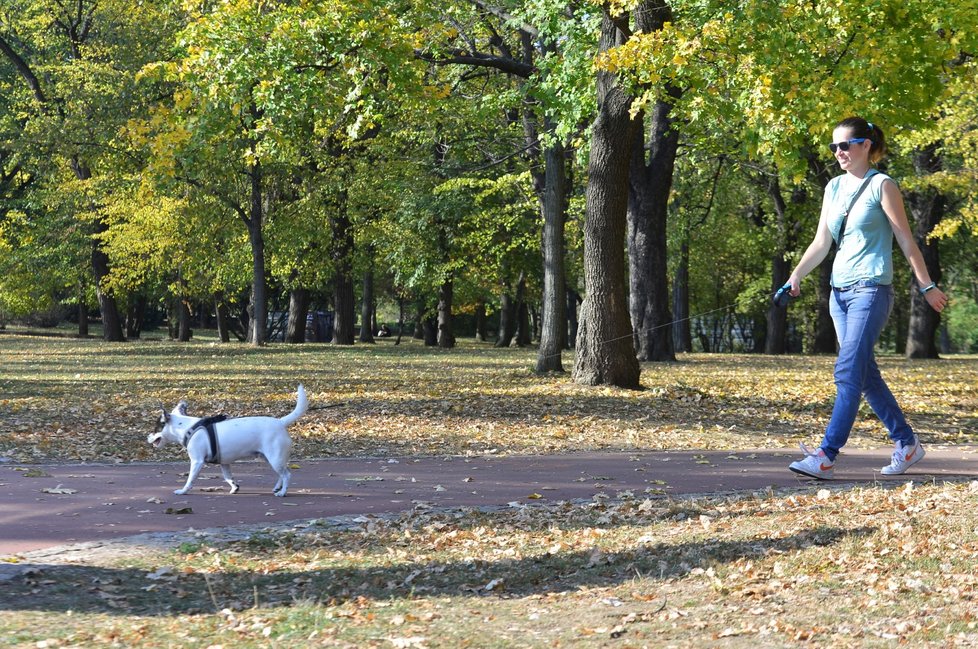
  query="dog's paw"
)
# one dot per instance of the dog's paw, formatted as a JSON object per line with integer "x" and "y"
{"x": 180, "y": 492}
{"x": 280, "y": 494}
{"x": 234, "y": 489}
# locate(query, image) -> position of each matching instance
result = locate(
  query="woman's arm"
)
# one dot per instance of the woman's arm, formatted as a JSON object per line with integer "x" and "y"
{"x": 892, "y": 202}
{"x": 814, "y": 254}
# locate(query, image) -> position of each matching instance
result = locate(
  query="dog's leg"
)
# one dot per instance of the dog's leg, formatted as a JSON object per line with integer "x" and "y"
{"x": 282, "y": 485}
{"x": 226, "y": 470}
{"x": 195, "y": 467}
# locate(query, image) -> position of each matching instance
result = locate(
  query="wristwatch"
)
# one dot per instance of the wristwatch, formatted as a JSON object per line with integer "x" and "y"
{"x": 929, "y": 287}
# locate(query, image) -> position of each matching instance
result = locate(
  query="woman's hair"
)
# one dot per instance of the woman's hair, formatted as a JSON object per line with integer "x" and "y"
{"x": 861, "y": 128}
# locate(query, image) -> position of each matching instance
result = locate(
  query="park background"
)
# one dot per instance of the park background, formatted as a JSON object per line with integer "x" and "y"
{"x": 650, "y": 169}
{"x": 529, "y": 184}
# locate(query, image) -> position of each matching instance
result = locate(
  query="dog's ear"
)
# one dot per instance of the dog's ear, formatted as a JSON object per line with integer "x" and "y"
{"x": 181, "y": 408}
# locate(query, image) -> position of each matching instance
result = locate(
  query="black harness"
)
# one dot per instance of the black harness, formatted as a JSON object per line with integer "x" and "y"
{"x": 207, "y": 425}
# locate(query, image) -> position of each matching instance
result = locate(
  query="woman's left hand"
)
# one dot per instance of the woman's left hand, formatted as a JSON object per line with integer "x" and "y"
{"x": 936, "y": 299}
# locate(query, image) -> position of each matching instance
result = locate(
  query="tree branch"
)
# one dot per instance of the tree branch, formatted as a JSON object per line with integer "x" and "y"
{"x": 24, "y": 70}
{"x": 461, "y": 57}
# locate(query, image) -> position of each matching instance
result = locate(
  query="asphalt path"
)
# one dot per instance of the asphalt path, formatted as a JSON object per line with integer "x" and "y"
{"x": 46, "y": 506}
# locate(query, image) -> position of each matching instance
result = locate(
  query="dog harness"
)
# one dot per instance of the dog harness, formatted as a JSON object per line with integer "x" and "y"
{"x": 207, "y": 425}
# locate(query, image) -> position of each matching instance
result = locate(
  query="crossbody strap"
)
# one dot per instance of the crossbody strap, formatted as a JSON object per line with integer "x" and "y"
{"x": 852, "y": 203}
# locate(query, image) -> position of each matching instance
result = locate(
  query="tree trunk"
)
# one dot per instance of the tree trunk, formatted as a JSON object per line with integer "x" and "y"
{"x": 221, "y": 314}
{"x": 82, "y": 315}
{"x": 605, "y": 352}
{"x": 184, "y": 331}
{"x": 777, "y": 317}
{"x": 135, "y": 315}
{"x": 367, "y": 308}
{"x": 446, "y": 332}
{"x": 681, "y": 332}
{"x": 258, "y": 323}
{"x": 573, "y": 299}
{"x": 295, "y": 329}
{"x": 111, "y": 320}
{"x": 648, "y": 202}
{"x": 481, "y": 333}
{"x": 344, "y": 321}
{"x": 430, "y": 328}
{"x": 553, "y": 206}
{"x": 523, "y": 334}
{"x": 824, "y": 341}
{"x": 928, "y": 209}
{"x": 507, "y": 319}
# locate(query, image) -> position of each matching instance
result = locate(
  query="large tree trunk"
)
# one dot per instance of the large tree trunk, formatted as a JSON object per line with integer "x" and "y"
{"x": 344, "y": 321}
{"x": 648, "y": 203}
{"x": 446, "y": 332}
{"x": 295, "y": 329}
{"x": 554, "y": 208}
{"x": 367, "y": 308}
{"x": 82, "y": 313}
{"x": 605, "y": 352}
{"x": 928, "y": 209}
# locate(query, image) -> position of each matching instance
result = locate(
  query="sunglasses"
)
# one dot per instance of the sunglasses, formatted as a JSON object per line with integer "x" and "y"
{"x": 844, "y": 146}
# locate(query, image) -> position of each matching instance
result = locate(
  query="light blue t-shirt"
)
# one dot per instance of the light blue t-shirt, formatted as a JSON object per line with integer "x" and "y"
{"x": 867, "y": 248}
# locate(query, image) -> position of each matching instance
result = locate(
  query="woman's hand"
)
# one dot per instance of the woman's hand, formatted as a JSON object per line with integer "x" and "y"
{"x": 936, "y": 299}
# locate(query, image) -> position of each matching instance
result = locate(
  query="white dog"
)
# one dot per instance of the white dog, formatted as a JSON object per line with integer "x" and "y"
{"x": 218, "y": 440}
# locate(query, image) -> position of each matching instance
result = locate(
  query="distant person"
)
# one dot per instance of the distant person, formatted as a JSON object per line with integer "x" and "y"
{"x": 862, "y": 291}
{"x": 384, "y": 332}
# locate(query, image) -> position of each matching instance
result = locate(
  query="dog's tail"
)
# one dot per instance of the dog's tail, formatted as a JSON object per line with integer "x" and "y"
{"x": 300, "y": 407}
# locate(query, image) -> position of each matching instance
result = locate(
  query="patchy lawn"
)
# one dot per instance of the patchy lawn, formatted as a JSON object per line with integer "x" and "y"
{"x": 841, "y": 567}
{"x": 63, "y": 399}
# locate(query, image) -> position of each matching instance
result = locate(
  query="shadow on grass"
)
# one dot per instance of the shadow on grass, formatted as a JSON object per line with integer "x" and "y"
{"x": 126, "y": 591}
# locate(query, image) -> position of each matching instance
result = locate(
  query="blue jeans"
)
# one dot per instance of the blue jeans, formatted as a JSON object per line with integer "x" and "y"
{"x": 859, "y": 313}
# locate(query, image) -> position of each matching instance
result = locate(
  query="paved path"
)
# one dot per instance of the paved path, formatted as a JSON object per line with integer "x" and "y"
{"x": 107, "y": 502}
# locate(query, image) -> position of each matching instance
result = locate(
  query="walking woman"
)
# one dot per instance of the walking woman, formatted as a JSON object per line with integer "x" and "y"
{"x": 868, "y": 205}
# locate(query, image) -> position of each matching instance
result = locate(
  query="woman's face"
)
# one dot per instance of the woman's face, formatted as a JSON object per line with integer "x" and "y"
{"x": 857, "y": 156}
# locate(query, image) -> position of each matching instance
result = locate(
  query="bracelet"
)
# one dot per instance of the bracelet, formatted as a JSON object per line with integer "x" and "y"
{"x": 929, "y": 287}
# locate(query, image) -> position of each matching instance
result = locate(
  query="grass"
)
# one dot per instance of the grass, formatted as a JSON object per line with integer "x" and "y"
{"x": 63, "y": 399}
{"x": 845, "y": 567}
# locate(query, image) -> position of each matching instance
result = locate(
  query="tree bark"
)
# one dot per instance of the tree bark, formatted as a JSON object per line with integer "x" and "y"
{"x": 507, "y": 319}
{"x": 295, "y": 329}
{"x": 481, "y": 333}
{"x": 824, "y": 341}
{"x": 523, "y": 333}
{"x": 367, "y": 308}
{"x": 648, "y": 202}
{"x": 605, "y": 352}
{"x": 446, "y": 332}
{"x": 777, "y": 317}
{"x": 258, "y": 323}
{"x": 681, "y": 332}
{"x": 553, "y": 206}
{"x": 184, "y": 331}
{"x": 927, "y": 208}
{"x": 221, "y": 314}
{"x": 344, "y": 299}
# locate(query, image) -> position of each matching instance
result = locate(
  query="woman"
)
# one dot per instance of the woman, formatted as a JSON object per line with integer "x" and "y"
{"x": 862, "y": 291}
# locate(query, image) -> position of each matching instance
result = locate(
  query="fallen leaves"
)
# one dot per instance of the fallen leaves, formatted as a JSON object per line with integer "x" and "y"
{"x": 60, "y": 490}
{"x": 474, "y": 400}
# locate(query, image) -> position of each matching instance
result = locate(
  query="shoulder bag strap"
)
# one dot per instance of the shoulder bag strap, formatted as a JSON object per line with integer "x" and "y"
{"x": 852, "y": 203}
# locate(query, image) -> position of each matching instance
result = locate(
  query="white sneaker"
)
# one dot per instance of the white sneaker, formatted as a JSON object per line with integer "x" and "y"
{"x": 815, "y": 465}
{"x": 904, "y": 457}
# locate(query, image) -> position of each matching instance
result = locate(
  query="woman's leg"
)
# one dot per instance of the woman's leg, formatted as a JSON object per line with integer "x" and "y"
{"x": 884, "y": 404}
{"x": 859, "y": 315}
